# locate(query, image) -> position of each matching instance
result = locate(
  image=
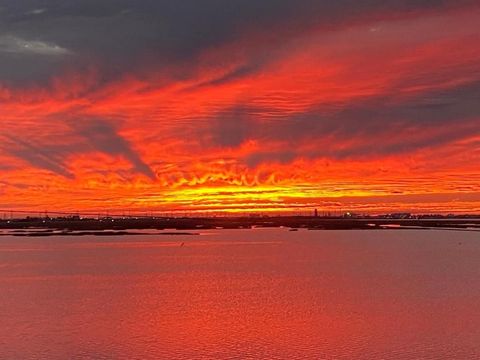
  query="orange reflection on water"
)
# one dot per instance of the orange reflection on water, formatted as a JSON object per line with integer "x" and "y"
{"x": 265, "y": 293}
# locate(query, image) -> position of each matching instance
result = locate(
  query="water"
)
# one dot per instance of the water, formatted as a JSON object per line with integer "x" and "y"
{"x": 231, "y": 294}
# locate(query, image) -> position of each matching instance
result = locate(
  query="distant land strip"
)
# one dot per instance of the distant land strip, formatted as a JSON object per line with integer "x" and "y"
{"x": 121, "y": 226}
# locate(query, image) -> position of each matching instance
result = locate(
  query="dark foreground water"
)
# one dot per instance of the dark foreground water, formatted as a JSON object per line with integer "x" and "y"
{"x": 266, "y": 293}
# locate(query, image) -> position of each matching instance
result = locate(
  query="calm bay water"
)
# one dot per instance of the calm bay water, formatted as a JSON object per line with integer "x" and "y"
{"x": 264, "y": 293}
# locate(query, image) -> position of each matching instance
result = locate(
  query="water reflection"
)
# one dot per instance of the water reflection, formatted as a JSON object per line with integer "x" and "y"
{"x": 242, "y": 294}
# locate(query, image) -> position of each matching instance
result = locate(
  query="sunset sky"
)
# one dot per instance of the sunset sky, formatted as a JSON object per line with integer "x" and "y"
{"x": 240, "y": 105}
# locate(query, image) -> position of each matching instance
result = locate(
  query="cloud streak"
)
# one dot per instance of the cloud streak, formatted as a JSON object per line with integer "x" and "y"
{"x": 16, "y": 45}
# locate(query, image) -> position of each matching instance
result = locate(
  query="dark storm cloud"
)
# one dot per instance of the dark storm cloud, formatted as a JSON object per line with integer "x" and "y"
{"x": 124, "y": 33}
{"x": 90, "y": 135}
{"x": 282, "y": 157}
{"x": 51, "y": 158}
{"x": 103, "y": 137}
{"x": 230, "y": 128}
{"x": 380, "y": 126}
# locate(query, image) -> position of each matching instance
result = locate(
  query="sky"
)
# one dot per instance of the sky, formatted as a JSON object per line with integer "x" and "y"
{"x": 240, "y": 106}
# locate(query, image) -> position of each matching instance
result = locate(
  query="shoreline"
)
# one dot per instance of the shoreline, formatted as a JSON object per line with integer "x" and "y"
{"x": 191, "y": 226}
